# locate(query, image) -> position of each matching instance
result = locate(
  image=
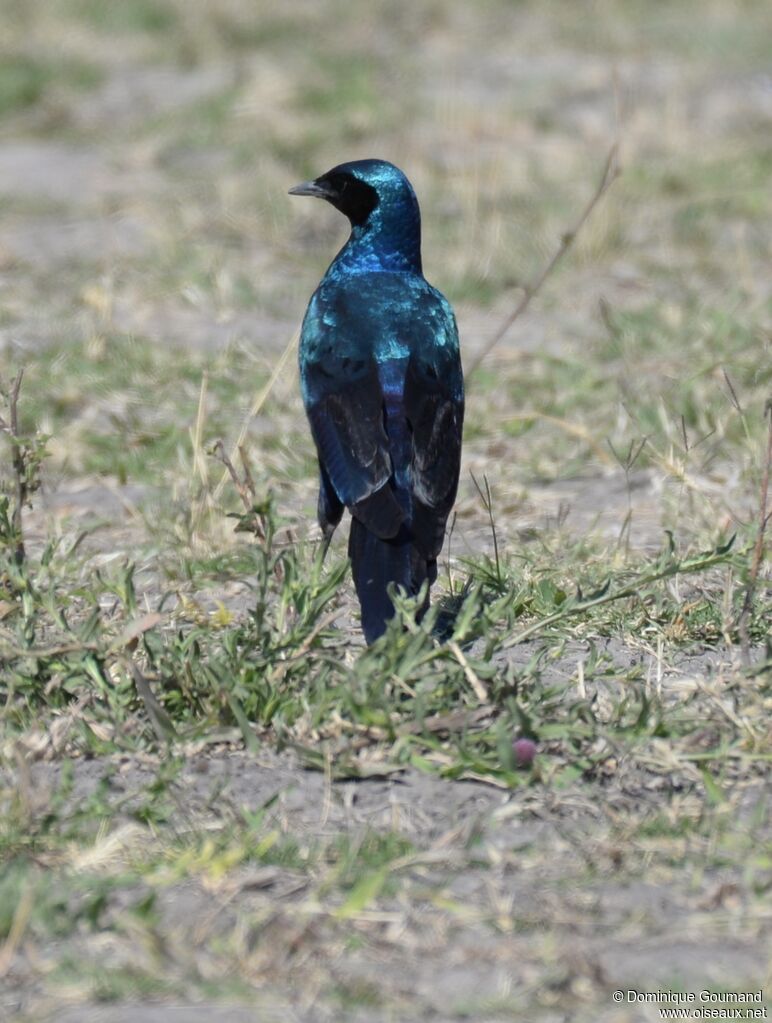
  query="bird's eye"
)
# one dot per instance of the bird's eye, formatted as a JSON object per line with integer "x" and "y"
{"x": 343, "y": 185}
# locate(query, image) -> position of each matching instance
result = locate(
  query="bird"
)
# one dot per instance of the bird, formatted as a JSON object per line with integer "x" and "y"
{"x": 383, "y": 389}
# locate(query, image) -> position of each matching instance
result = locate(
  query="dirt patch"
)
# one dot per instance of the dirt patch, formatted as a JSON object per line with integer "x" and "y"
{"x": 549, "y": 889}
{"x": 80, "y": 176}
{"x": 48, "y": 242}
{"x": 132, "y": 94}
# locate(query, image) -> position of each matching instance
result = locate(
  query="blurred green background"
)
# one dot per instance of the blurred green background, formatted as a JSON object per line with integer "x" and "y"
{"x": 146, "y": 233}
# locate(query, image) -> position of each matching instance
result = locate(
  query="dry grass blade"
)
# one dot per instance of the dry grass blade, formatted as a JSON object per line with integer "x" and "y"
{"x": 455, "y": 721}
{"x": 111, "y": 847}
{"x": 245, "y": 487}
{"x": 487, "y": 501}
{"x": 572, "y": 429}
{"x": 134, "y": 630}
{"x": 199, "y": 457}
{"x": 472, "y": 678}
{"x": 758, "y": 549}
{"x": 18, "y": 462}
{"x": 19, "y": 923}
{"x": 611, "y": 172}
{"x": 257, "y": 405}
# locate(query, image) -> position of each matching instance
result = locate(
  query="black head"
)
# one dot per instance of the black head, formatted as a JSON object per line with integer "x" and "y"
{"x": 359, "y": 187}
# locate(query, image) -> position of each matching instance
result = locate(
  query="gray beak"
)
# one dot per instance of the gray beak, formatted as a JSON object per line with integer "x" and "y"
{"x": 315, "y": 188}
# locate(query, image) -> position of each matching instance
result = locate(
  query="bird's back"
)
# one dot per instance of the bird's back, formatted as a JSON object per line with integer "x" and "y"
{"x": 379, "y": 316}
{"x": 383, "y": 389}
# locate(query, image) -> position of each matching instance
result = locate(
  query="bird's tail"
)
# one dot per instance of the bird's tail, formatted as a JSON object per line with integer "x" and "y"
{"x": 374, "y": 564}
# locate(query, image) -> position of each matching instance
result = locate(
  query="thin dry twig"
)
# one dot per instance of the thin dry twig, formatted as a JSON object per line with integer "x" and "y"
{"x": 487, "y": 501}
{"x": 10, "y": 649}
{"x": 455, "y": 721}
{"x": 471, "y": 676}
{"x": 255, "y": 520}
{"x": 758, "y": 549}
{"x": 249, "y": 480}
{"x": 199, "y": 459}
{"x": 18, "y": 462}
{"x": 611, "y": 172}
{"x": 246, "y": 486}
{"x": 733, "y": 394}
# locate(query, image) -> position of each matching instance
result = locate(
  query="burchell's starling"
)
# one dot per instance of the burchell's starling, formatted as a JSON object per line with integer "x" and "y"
{"x": 381, "y": 377}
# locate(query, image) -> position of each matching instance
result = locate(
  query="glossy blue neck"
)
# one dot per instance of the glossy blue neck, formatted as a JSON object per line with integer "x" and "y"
{"x": 390, "y": 239}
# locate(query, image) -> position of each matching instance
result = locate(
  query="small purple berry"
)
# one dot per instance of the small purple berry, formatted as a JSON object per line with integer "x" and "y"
{"x": 525, "y": 751}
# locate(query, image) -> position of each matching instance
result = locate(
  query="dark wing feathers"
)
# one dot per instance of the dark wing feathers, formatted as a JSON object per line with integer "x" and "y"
{"x": 380, "y": 512}
{"x": 330, "y": 507}
{"x": 436, "y": 415}
{"x": 347, "y": 426}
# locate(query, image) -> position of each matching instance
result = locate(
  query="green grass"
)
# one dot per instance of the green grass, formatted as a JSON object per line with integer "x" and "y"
{"x": 535, "y": 641}
{"x": 123, "y": 406}
{"x": 284, "y": 667}
{"x": 139, "y": 16}
{"x": 25, "y": 81}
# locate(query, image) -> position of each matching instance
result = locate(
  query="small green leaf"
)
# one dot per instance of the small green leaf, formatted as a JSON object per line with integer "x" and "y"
{"x": 365, "y": 891}
{"x": 714, "y": 792}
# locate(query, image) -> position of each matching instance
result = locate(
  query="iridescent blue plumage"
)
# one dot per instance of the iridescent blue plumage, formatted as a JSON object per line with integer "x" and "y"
{"x": 381, "y": 378}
